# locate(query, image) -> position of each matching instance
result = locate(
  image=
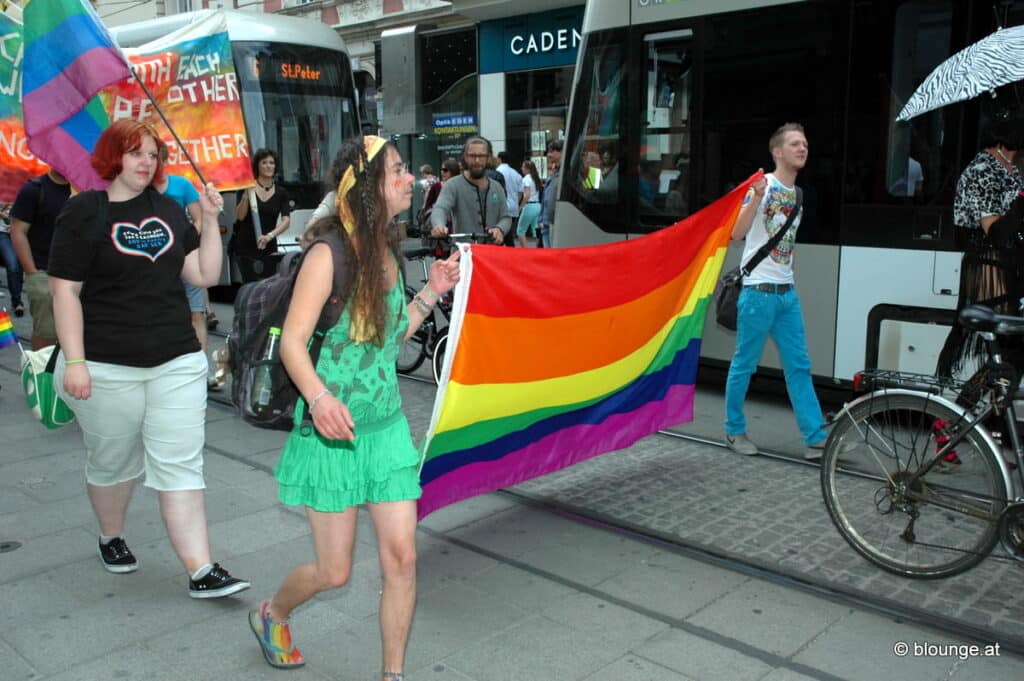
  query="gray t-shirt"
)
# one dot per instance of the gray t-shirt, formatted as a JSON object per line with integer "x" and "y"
{"x": 474, "y": 209}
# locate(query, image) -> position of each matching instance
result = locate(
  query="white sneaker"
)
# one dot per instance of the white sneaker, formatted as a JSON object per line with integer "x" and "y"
{"x": 741, "y": 444}
{"x": 817, "y": 450}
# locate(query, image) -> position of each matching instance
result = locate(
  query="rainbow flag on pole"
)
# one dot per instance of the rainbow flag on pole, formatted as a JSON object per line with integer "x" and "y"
{"x": 69, "y": 57}
{"x": 7, "y": 335}
{"x": 565, "y": 354}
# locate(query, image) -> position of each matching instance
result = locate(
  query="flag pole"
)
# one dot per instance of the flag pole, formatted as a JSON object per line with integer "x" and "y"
{"x": 152, "y": 99}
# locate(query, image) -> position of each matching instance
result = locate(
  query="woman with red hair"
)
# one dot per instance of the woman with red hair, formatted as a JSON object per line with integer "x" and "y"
{"x": 129, "y": 363}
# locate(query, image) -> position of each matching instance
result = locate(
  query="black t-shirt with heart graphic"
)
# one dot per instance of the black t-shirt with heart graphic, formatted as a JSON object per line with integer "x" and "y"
{"x": 134, "y": 309}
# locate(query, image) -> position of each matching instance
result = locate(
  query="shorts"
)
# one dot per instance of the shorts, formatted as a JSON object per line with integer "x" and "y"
{"x": 196, "y": 297}
{"x": 40, "y": 305}
{"x": 163, "y": 408}
{"x": 529, "y": 218}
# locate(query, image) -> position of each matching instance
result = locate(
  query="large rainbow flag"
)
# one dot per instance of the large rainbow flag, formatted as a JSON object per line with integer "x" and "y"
{"x": 565, "y": 354}
{"x": 69, "y": 57}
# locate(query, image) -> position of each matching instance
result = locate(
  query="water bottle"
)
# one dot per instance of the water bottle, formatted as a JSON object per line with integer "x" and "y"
{"x": 263, "y": 379}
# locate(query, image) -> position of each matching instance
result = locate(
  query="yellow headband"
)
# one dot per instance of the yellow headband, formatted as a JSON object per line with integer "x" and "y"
{"x": 372, "y": 145}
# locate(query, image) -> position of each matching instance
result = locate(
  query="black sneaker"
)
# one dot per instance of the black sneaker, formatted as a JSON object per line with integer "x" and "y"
{"x": 216, "y": 584}
{"x": 117, "y": 557}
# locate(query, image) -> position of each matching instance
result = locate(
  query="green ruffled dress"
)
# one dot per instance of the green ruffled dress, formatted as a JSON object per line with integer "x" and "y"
{"x": 382, "y": 463}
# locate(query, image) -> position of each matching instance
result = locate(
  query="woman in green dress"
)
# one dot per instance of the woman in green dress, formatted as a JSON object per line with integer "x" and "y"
{"x": 359, "y": 449}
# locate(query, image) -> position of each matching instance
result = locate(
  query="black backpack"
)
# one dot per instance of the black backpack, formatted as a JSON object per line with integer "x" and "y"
{"x": 263, "y": 304}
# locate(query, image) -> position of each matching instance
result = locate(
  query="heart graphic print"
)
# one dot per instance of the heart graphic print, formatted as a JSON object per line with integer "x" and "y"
{"x": 151, "y": 239}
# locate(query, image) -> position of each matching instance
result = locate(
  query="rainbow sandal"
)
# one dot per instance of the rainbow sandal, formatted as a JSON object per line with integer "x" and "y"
{"x": 275, "y": 639}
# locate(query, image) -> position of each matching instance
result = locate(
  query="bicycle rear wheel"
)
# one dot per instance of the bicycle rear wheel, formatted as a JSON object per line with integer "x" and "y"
{"x": 937, "y": 526}
{"x": 438, "y": 359}
{"x": 414, "y": 351}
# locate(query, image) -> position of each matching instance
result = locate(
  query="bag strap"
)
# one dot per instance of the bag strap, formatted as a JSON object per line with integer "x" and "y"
{"x": 255, "y": 213}
{"x": 51, "y": 363}
{"x": 320, "y": 331}
{"x": 763, "y": 252}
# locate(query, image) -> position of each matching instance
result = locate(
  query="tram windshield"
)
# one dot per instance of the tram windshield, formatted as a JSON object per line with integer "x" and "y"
{"x": 298, "y": 101}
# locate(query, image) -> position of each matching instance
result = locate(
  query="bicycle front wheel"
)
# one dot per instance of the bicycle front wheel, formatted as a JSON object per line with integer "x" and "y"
{"x": 414, "y": 351}
{"x": 438, "y": 359}
{"x": 938, "y": 525}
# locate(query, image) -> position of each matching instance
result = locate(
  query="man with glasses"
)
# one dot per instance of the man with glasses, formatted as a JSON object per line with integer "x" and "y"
{"x": 472, "y": 201}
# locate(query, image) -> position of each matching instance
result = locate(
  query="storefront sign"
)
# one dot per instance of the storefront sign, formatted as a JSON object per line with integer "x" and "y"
{"x": 531, "y": 42}
{"x": 455, "y": 124}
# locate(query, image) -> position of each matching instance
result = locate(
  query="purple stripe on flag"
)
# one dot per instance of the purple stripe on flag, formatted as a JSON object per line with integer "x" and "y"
{"x": 580, "y": 442}
{"x": 63, "y": 151}
{"x": 70, "y": 90}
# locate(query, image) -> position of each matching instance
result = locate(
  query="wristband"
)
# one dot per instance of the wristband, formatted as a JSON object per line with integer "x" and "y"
{"x": 423, "y": 305}
{"x": 312, "y": 403}
{"x": 69, "y": 362}
{"x": 430, "y": 293}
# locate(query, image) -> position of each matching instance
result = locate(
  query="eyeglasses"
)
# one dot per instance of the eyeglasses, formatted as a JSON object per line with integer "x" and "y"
{"x": 444, "y": 170}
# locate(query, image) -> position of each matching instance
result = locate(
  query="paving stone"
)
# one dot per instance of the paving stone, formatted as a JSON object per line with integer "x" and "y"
{"x": 701, "y": 659}
{"x": 775, "y": 619}
{"x": 635, "y": 668}
{"x": 15, "y": 667}
{"x": 535, "y": 648}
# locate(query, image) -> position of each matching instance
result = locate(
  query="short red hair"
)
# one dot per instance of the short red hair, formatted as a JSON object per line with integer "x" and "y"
{"x": 121, "y": 137}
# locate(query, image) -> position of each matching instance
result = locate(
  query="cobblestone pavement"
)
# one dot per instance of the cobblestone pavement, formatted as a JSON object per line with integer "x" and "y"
{"x": 763, "y": 511}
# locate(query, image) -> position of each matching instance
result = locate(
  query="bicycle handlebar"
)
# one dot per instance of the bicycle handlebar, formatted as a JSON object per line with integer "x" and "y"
{"x": 470, "y": 236}
{"x": 982, "y": 318}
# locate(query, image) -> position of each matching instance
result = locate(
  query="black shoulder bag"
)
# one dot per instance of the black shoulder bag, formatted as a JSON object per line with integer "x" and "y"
{"x": 728, "y": 292}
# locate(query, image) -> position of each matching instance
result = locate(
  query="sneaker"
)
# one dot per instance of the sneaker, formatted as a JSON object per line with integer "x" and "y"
{"x": 117, "y": 557}
{"x": 216, "y": 583}
{"x": 19, "y": 310}
{"x": 275, "y": 639}
{"x": 741, "y": 444}
{"x": 815, "y": 451}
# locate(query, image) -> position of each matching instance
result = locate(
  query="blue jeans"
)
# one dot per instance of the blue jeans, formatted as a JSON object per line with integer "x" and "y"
{"x": 545, "y": 235}
{"x": 777, "y": 315}
{"x": 9, "y": 259}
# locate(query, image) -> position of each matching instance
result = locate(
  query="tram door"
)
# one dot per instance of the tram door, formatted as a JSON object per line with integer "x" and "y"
{"x": 663, "y": 168}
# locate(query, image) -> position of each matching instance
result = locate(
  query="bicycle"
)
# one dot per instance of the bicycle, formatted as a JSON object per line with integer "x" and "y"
{"x": 911, "y": 477}
{"x": 431, "y": 339}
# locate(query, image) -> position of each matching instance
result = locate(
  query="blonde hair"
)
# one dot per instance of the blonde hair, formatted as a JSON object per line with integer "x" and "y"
{"x": 779, "y": 136}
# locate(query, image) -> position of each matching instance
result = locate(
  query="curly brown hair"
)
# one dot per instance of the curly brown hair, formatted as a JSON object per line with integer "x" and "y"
{"x": 375, "y": 232}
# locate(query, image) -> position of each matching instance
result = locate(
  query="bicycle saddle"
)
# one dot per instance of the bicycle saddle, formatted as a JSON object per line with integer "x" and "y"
{"x": 982, "y": 318}
{"x": 413, "y": 253}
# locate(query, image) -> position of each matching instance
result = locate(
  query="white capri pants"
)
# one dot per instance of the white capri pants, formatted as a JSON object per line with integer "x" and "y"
{"x": 163, "y": 406}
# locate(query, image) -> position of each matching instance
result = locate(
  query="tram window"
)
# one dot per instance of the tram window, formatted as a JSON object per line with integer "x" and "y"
{"x": 591, "y": 168}
{"x": 663, "y": 182}
{"x": 899, "y": 177}
{"x": 762, "y": 68}
{"x": 921, "y": 41}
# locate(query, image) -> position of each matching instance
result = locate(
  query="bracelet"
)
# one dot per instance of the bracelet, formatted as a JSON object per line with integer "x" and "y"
{"x": 312, "y": 402}
{"x": 425, "y": 307}
{"x": 430, "y": 292}
{"x": 69, "y": 362}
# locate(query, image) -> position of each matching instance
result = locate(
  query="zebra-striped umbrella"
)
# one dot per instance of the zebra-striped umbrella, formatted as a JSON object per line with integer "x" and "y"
{"x": 989, "y": 63}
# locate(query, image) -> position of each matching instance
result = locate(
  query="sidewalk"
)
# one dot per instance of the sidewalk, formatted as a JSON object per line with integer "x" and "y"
{"x": 507, "y": 591}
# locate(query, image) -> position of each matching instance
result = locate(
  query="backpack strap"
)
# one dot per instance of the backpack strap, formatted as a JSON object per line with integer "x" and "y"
{"x": 340, "y": 289}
